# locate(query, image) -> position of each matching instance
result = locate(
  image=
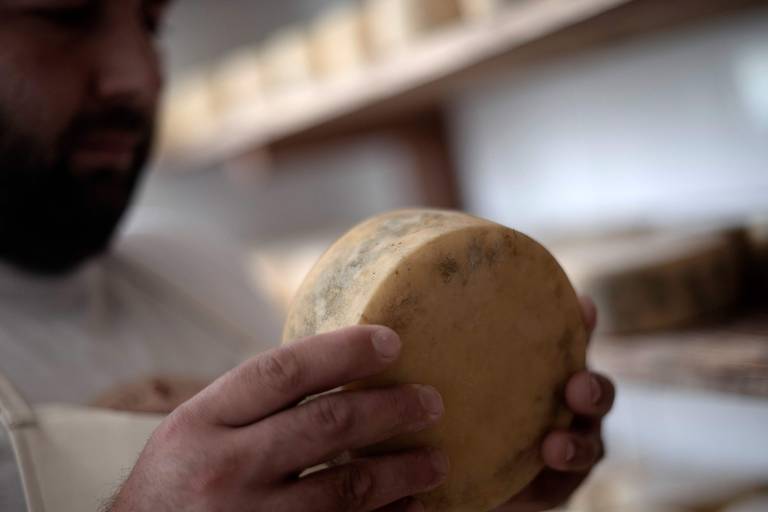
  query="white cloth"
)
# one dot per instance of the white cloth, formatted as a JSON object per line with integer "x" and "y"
{"x": 160, "y": 305}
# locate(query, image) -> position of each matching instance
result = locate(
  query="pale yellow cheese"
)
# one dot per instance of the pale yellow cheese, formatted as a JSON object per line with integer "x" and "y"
{"x": 285, "y": 61}
{"x": 394, "y": 25}
{"x": 189, "y": 113}
{"x": 338, "y": 43}
{"x": 486, "y": 315}
{"x": 238, "y": 82}
{"x": 487, "y": 9}
{"x": 480, "y": 9}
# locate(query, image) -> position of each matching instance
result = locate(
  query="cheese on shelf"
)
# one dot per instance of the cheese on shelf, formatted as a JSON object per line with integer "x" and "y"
{"x": 285, "y": 61}
{"x": 189, "y": 112}
{"x": 394, "y": 25}
{"x": 657, "y": 280}
{"x": 238, "y": 82}
{"x": 338, "y": 42}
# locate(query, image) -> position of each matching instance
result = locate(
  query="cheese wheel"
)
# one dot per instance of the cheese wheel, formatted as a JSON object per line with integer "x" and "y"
{"x": 285, "y": 61}
{"x": 486, "y": 315}
{"x": 238, "y": 82}
{"x": 338, "y": 44}
{"x": 480, "y": 9}
{"x": 392, "y": 26}
{"x": 189, "y": 114}
{"x": 657, "y": 280}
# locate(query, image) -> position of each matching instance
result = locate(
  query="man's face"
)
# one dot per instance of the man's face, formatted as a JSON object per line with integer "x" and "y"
{"x": 79, "y": 86}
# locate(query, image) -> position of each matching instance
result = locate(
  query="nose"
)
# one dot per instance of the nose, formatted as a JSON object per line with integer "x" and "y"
{"x": 128, "y": 68}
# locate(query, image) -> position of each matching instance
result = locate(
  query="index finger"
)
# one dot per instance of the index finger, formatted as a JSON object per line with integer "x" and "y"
{"x": 279, "y": 378}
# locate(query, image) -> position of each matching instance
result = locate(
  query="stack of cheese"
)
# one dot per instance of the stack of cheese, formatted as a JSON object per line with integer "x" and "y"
{"x": 658, "y": 280}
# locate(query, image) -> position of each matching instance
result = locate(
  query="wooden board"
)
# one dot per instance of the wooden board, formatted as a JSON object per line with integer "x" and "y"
{"x": 729, "y": 356}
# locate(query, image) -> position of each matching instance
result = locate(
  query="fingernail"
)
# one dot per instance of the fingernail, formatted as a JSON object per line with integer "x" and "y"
{"x": 570, "y": 451}
{"x": 440, "y": 464}
{"x": 387, "y": 344}
{"x": 415, "y": 506}
{"x": 431, "y": 401}
{"x": 595, "y": 390}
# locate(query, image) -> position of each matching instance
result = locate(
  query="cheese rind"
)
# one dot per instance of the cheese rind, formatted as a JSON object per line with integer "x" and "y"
{"x": 486, "y": 316}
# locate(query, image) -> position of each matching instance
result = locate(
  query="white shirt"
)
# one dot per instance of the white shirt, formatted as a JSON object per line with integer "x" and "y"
{"x": 160, "y": 305}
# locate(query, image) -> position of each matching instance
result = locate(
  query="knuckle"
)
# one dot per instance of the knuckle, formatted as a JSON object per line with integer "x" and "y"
{"x": 353, "y": 487}
{"x": 280, "y": 369}
{"x": 175, "y": 427}
{"x": 333, "y": 415}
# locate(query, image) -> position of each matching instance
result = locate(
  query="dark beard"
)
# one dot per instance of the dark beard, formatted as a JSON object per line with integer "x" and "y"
{"x": 51, "y": 220}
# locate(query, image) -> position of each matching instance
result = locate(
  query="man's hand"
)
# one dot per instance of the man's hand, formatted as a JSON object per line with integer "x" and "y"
{"x": 240, "y": 445}
{"x": 570, "y": 455}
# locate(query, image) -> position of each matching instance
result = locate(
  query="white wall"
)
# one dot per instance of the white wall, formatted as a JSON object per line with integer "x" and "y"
{"x": 314, "y": 191}
{"x": 668, "y": 127}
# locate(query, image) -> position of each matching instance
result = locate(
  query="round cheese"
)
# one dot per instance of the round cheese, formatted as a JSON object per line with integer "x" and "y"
{"x": 486, "y": 315}
{"x": 338, "y": 43}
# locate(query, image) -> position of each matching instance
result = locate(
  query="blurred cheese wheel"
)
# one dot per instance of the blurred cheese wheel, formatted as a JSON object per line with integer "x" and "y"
{"x": 189, "y": 116}
{"x": 238, "y": 82}
{"x": 481, "y": 9}
{"x": 649, "y": 281}
{"x": 486, "y": 315}
{"x": 393, "y": 25}
{"x": 338, "y": 42}
{"x": 285, "y": 61}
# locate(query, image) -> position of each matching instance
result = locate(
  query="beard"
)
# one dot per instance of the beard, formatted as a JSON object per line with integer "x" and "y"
{"x": 53, "y": 219}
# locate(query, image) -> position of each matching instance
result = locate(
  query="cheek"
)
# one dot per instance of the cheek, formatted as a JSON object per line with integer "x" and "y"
{"x": 41, "y": 87}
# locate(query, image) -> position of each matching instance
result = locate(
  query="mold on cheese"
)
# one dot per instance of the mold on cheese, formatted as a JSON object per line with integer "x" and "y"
{"x": 486, "y": 315}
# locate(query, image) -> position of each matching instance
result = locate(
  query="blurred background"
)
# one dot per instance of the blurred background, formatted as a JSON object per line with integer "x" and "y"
{"x": 631, "y": 136}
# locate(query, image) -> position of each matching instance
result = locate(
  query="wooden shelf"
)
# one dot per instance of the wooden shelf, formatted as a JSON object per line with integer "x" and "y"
{"x": 526, "y": 32}
{"x": 730, "y": 356}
